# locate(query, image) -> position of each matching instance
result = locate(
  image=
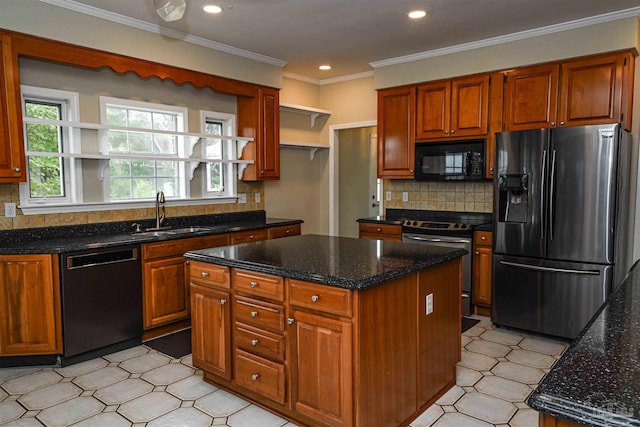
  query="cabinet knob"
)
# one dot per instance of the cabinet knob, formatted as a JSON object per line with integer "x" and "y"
{"x": 223, "y": 301}
{"x": 484, "y": 237}
{"x": 254, "y": 342}
{"x": 254, "y": 314}
{"x": 315, "y": 298}
{"x": 18, "y": 170}
{"x": 553, "y": 123}
{"x": 561, "y": 123}
{"x": 204, "y": 274}
{"x": 252, "y": 237}
{"x": 453, "y": 131}
{"x": 253, "y": 284}
{"x": 491, "y": 169}
{"x": 378, "y": 230}
{"x": 290, "y": 320}
{"x": 255, "y": 377}
{"x": 477, "y": 253}
{"x": 446, "y": 132}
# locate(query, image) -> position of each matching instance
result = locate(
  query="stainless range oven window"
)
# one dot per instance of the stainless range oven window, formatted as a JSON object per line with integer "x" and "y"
{"x": 456, "y": 243}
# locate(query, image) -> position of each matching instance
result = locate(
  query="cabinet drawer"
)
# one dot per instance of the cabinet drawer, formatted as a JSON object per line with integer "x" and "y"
{"x": 483, "y": 238}
{"x": 259, "y": 375}
{"x": 249, "y": 236}
{"x": 180, "y": 246}
{"x": 259, "y": 341}
{"x": 284, "y": 231}
{"x": 209, "y": 274}
{"x": 320, "y": 297}
{"x": 259, "y": 313}
{"x": 381, "y": 231}
{"x": 263, "y": 285}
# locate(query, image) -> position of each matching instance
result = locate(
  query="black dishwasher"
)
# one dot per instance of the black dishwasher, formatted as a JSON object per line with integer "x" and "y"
{"x": 101, "y": 293}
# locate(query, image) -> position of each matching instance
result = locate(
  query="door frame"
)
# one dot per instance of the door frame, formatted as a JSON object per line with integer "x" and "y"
{"x": 334, "y": 180}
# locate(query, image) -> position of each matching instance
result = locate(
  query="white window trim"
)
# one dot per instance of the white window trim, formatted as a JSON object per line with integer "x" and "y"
{"x": 71, "y": 141}
{"x": 183, "y": 187}
{"x": 229, "y": 128}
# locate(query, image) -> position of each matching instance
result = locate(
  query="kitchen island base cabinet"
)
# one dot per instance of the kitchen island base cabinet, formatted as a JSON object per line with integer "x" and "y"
{"x": 370, "y": 357}
{"x": 549, "y": 421}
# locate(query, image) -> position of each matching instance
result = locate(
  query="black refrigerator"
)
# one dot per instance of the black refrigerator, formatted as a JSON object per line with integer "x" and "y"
{"x": 561, "y": 224}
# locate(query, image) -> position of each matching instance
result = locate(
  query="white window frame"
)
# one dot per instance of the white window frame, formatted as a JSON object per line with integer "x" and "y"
{"x": 70, "y": 144}
{"x": 229, "y": 170}
{"x": 183, "y": 181}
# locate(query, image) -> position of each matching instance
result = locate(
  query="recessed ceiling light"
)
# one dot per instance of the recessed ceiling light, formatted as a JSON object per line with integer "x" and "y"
{"x": 417, "y": 14}
{"x": 210, "y": 8}
{"x": 325, "y": 67}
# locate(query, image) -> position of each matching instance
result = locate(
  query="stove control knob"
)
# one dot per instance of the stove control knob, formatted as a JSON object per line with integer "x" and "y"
{"x": 456, "y": 225}
{"x": 415, "y": 222}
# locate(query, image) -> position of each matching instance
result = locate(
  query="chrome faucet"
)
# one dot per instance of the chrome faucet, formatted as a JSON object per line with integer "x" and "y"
{"x": 160, "y": 217}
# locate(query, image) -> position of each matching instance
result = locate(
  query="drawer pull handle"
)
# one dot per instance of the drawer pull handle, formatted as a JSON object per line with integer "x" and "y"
{"x": 290, "y": 320}
{"x": 254, "y": 342}
{"x": 287, "y": 232}
{"x": 223, "y": 301}
{"x": 204, "y": 274}
{"x": 254, "y": 314}
{"x": 253, "y": 284}
{"x": 477, "y": 253}
{"x": 255, "y": 377}
{"x": 378, "y": 230}
{"x": 315, "y": 298}
{"x": 484, "y": 237}
{"x": 252, "y": 237}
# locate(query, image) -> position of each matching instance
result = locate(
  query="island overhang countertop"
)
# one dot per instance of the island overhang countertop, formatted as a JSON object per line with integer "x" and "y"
{"x": 336, "y": 261}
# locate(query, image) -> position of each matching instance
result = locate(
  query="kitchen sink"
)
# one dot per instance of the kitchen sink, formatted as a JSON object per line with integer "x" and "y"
{"x": 171, "y": 231}
{"x": 188, "y": 230}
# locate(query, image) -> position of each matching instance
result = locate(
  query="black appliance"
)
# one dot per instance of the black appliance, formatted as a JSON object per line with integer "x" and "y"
{"x": 101, "y": 296}
{"x": 447, "y": 229}
{"x": 449, "y": 161}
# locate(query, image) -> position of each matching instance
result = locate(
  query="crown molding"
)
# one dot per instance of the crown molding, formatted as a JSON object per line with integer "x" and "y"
{"x": 154, "y": 28}
{"x": 556, "y": 28}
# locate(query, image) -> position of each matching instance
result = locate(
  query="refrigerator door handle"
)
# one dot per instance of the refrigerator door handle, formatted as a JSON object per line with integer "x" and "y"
{"x": 543, "y": 175}
{"x": 552, "y": 201}
{"x": 555, "y": 270}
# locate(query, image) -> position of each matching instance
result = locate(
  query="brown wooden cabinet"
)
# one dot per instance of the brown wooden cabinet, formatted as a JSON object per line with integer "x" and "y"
{"x": 396, "y": 132}
{"x": 482, "y": 271}
{"x": 545, "y": 420}
{"x": 372, "y": 231}
{"x": 584, "y": 91}
{"x": 12, "y": 160}
{"x": 453, "y": 108}
{"x": 164, "y": 281}
{"x": 30, "y": 302}
{"x": 249, "y": 236}
{"x": 284, "y": 231}
{"x": 211, "y": 318}
{"x": 259, "y": 117}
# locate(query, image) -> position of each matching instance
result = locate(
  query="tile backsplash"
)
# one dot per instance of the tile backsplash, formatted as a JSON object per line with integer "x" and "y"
{"x": 474, "y": 196}
{"x": 10, "y": 193}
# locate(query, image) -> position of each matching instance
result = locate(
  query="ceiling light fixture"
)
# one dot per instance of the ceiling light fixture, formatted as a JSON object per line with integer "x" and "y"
{"x": 170, "y": 10}
{"x": 417, "y": 14}
{"x": 211, "y": 8}
{"x": 325, "y": 67}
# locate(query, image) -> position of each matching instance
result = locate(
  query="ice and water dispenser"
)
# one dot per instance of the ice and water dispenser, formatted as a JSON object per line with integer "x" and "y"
{"x": 513, "y": 196}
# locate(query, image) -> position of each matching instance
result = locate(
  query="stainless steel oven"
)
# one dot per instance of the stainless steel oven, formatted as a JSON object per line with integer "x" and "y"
{"x": 447, "y": 229}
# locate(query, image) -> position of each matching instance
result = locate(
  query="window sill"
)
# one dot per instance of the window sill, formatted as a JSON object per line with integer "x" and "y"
{"x": 36, "y": 209}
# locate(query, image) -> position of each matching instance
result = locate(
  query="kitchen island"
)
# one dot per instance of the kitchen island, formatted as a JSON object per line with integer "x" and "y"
{"x": 328, "y": 331}
{"x": 597, "y": 380}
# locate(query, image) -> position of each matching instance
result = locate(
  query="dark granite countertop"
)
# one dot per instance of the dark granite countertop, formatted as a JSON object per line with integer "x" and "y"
{"x": 597, "y": 380}
{"x": 479, "y": 220}
{"x": 336, "y": 261}
{"x": 103, "y": 235}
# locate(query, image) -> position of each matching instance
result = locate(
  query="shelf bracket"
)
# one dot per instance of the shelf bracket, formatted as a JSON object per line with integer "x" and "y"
{"x": 104, "y": 165}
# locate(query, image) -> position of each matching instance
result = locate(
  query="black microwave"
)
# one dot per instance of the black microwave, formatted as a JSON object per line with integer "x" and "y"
{"x": 444, "y": 161}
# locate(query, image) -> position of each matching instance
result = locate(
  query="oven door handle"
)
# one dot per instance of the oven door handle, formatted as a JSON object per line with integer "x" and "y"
{"x": 428, "y": 239}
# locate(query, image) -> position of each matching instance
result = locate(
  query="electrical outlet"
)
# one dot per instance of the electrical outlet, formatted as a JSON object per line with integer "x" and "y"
{"x": 10, "y": 210}
{"x": 388, "y": 196}
{"x": 405, "y": 196}
{"x": 429, "y": 304}
{"x": 257, "y": 197}
{"x": 242, "y": 198}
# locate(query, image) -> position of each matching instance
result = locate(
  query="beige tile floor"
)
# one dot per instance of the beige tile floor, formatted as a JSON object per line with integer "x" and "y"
{"x": 142, "y": 387}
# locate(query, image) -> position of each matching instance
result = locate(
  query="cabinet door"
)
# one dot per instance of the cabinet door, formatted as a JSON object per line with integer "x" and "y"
{"x": 12, "y": 168}
{"x": 30, "y": 301}
{"x": 434, "y": 109}
{"x": 165, "y": 292}
{"x": 591, "y": 90}
{"x": 469, "y": 106}
{"x": 482, "y": 267}
{"x": 321, "y": 386}
{"x": 531, "y": 97}
{"x": 211, "y": 330}
{"x": 269, "y": 125}
{"x": 396, "y": 132}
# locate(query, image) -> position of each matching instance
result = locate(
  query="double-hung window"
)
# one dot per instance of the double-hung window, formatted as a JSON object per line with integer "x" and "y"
{"x": 149, "y": 134}
{"x": 52, "y": 175}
